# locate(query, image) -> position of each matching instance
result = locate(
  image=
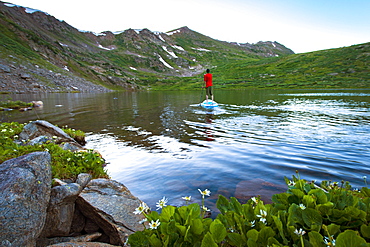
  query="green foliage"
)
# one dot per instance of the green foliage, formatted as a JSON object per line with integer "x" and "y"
{"x": 305, "y": 215}
{"x": 16, "y": 46}
{"x": 65, "y": 163}
{"x": 178, "y": 226}
{"x": 77, "y": 135}
{"x": 74, "y": 133}
{"x": 14, "y": 104}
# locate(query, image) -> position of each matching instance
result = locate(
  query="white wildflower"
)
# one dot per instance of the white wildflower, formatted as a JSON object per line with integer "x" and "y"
{"x": 329, "y": 241}
{"x": 301, "y": 232}
{"x": 262, "y": 216}
{"x": 162, "y": 203}
{"x": 154, "y": 224}
{"x": 254, "y": 199}
{"x": 141, "y": 209}
{"x": 186, "y": 198}
{"x": 263, "y": 220}
{"x": 291, "y": 183}
{"x": 205, "y": 192}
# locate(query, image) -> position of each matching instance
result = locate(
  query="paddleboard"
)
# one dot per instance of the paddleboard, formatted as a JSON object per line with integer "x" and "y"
{"x": 209, "y": 104}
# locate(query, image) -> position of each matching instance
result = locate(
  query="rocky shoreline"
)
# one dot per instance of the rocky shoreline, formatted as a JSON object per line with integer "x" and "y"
{"x": 28, "y": 78}
{"x": 36, "y": 210}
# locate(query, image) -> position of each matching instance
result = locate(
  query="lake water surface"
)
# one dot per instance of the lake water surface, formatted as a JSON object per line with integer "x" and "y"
{"x": 163, "y": 144}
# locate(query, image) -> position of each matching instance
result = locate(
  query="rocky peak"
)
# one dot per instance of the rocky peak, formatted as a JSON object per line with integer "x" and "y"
{"x": 131, "y": 33}
{"x": 182, "y": 30}
{"x": 185, "y": 29}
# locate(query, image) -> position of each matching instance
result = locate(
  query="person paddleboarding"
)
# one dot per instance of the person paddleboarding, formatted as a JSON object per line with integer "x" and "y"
{"x": 209, "y": 104}
{"x": 208, "y": 82}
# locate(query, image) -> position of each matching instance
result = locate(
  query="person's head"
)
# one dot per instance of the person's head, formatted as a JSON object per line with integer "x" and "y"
{"x": 207, "y": 70}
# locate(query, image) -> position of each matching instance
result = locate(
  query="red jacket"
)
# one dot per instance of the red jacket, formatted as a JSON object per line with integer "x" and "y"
{"x": 208, "y": 79}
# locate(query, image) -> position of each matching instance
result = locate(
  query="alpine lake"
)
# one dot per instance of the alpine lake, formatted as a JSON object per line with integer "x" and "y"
{"x": 162, "y": 143}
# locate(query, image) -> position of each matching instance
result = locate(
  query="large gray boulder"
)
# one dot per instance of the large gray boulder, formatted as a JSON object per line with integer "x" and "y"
{"x": 25, "y": 184}
{"x": 110, "y": 205}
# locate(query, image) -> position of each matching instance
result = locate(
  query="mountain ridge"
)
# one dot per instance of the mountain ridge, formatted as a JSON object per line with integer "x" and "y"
{"x": 39, "y": 53}
{"x": 130, "y": 59}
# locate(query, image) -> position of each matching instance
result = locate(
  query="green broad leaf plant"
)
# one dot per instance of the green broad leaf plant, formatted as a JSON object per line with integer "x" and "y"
{"x": 332, "y": 214}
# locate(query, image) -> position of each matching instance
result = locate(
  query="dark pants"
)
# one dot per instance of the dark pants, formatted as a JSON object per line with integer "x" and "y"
{"x": 209, "y": 91}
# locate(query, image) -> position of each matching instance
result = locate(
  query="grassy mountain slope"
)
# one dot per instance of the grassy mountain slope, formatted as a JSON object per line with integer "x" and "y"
{"x": 347, "y": 67}
{"x": 130, "y": 59}
{"x": 56, "y": 57}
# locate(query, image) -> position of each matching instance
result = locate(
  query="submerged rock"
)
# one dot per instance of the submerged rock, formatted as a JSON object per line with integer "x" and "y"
{"x": 257, "y": 187}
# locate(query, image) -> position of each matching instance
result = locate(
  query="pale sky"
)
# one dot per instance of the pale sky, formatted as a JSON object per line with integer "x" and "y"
{"x": 301, "y": 25}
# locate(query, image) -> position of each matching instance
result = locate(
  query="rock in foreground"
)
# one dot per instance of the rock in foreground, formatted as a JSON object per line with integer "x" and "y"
{"x": 25, "y": 184}
{"x": 111, "y": 205}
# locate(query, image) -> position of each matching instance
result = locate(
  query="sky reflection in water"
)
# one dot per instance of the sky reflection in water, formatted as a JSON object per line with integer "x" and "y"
{"x": 163, "y": 144}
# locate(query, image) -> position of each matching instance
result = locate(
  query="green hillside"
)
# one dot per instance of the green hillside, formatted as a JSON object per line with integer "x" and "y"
{"x": 53, "y": 56}
{"x": 347, "y": 67}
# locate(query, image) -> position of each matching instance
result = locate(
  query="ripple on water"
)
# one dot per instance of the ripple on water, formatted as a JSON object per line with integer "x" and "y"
{"x": 159, "y": 144}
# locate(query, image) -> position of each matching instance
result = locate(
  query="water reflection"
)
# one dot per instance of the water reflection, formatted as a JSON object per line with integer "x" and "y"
{"x": 164, "y": 144}
{"x": 208, "y": 128}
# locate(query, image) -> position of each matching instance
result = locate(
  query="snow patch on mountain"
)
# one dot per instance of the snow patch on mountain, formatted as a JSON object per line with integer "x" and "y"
{"x": 164, "y": 62}
{"x": 170, "y": 52}
{"x": 10, "y": 5}
{"x": 200, "y": 49}
{"x": 117, "y": 32}
{"x": 160, "y": 37}
{"x": 31, "y": 11}
{"x": 178, "y": 47}
{"x": 26, "y": 9}
{"x": 105, "y": 48}
{"x": 173, "y": 32}
{"x": 100, "y": 34}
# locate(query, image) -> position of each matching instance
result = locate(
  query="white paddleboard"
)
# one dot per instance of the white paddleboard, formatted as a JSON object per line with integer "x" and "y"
{"x": 210, "y": 104}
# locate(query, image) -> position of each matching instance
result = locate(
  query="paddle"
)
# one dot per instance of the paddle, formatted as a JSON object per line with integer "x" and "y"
{"x": 201, "y": 95}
